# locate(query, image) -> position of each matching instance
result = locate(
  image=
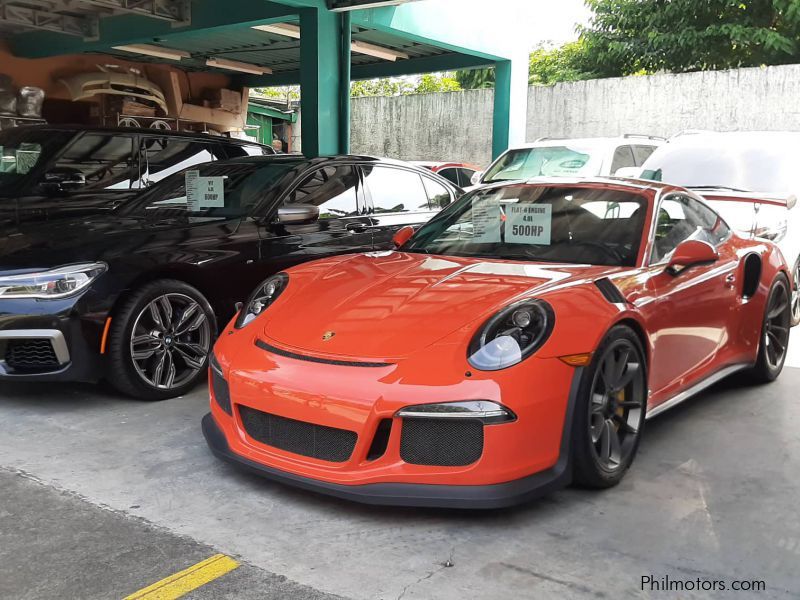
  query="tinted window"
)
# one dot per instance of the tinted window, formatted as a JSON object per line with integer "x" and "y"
{"x": 450, "y": 174}
{"x": 642, "y": 153}
{"x": 465, "y": 177}
{"x": 106, "y": 160}
{"x": 163, "y": 156}
{"x": 438, "y": 194}
{"x": 395, "y": 190}
{"x": 681, "y": 218}
{"x": 238, "y": 189}
{"x": 332, "y": 189}
{"x": 623, "y": 157}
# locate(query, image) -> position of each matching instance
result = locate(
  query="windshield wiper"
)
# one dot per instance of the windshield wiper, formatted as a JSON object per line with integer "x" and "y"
{"x": 717, "y": 187}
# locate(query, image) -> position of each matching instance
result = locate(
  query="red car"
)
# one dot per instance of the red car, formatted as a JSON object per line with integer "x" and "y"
{"x": 455, "y": 172}
{"x": 513, "y": 344}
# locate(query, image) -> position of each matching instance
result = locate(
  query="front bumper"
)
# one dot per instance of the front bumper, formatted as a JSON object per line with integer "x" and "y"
{"x": 49, "y": 340}
{"x": 474, "y": 497}
{"x": 305, "y": 399}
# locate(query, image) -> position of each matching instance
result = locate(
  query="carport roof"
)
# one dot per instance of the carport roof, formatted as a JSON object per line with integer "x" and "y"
{"x": 432, "y": 38}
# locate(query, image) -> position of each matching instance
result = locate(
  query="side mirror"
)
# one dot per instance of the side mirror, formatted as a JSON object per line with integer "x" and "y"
{"x": 476, "y": 177}
{"x": 629, "y": 172}
{"x": 62, "y": 180}
{"x": 690, "y": 253}
{"x": 402, "y": 236}
{"x": 297, "y": 214}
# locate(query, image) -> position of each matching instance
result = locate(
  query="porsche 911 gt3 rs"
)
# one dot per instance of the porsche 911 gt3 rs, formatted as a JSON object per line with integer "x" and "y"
{"x": 515, "y": 343}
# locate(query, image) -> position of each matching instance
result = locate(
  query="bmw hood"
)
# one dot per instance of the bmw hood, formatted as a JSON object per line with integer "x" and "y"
{"x": 335, "y": 308}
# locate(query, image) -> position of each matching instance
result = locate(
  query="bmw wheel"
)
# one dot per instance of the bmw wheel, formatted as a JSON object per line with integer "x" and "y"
{"x": 161, "y": 340}
{"x": 610, "y": 411}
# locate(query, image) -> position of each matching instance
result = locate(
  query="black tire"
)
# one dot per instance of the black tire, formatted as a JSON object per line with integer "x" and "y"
{"x": 796, "y": 294}
{"x": 602, "y": 417}
{"x": 136, "y": 324}
{"x": 774, "y": 333}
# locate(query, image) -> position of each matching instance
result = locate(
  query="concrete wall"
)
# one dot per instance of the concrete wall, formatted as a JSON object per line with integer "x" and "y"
{"x": 458, "y": 126}
{"x": 452, "y": 126}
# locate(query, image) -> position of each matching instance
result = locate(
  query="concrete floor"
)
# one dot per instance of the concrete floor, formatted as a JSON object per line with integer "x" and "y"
{"x": 100, "y": 496}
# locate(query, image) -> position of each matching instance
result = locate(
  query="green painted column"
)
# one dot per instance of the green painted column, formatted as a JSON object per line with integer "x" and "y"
{"x": 320, "y": 81}
{"x": 510, "y": 103}
{"x": 344, "y": 84}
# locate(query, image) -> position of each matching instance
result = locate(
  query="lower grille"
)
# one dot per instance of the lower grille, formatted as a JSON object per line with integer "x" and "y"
{"x": 31, "y": 354}
{"x": 298, "y": 437}
{"x": 441, "y": 442}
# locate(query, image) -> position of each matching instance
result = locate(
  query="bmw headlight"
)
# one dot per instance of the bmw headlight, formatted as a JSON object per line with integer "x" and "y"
{"x": 512, "y": 335}
{"x": 261, "y": 299}
{"x": 55, "y": 283}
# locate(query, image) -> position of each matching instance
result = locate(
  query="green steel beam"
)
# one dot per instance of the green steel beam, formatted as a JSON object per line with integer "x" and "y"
{"x": 345, "y": 60}
{"x": 133, "y": 29}
{"x": 320, "y": 81}
{"x": 501, "y": 132}
{"x": 268, "y": 111}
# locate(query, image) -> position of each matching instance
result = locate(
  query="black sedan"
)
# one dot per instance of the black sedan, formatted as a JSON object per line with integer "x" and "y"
{"x": 137, "y": 295}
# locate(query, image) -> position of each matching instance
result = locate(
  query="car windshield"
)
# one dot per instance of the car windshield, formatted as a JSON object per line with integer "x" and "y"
{"x": 539, "y": 223}
{"x": 209, "y": 191}
{"x": 546, "y": 161}
{"x": 765, "y": 164}
{"x": 23, "y": 150}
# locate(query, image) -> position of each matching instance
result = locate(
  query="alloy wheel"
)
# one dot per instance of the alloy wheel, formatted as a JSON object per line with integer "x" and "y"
{"x": 776, "y": 328}
{"x": 617, "y": 405}
{"x": 170, "y": 341}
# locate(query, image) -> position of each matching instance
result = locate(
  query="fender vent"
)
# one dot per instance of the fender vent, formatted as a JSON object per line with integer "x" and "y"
{"x": 610, "y": 291}
{"x": 752, "y": 275}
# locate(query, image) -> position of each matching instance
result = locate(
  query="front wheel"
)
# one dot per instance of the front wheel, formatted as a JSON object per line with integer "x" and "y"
{"x": 160, "y": 341}
{"x": 774, "y": 333}
{"x": 610, "y": 410}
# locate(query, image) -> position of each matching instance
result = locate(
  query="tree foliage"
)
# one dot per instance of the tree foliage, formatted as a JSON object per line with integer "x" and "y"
{"x": 475, "y": 79}
{"x": 549, "y": 66}
{"x": 630, "y": 36}
{"x": 425, "y": 84}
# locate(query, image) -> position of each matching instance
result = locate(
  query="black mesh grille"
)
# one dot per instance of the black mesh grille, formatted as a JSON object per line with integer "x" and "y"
{"x": 299, "y": 437}
{"x": 222, "y": 392}
{"x": 441, "y": 442}
{"x": 33, "y": 354}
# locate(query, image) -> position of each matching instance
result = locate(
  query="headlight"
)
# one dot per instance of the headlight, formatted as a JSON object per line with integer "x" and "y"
{"x": 512, "y": 335}
{"x": 261, "y": 299}
{"x": 56, "y": 283}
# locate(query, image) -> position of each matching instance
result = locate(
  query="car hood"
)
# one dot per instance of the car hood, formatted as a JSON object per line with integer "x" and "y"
{"x": 389, "y": 305}
{"x": 98, "y": 238}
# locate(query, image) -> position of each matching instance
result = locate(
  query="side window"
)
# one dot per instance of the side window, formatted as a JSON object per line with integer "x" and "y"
{"x": 623, "y": 157}
{"x": 333, "y": 189}
{"x": 465, "y": 177}
{"x": 642, "y": 153}
{"x": 395, "y": 190}
{"x": 107, "y": 161}
{"x": 682, "y": 218}
{"x": 450, "y": 174}
{"x": 438, "y": 194}
{"x": 163, "y": 156}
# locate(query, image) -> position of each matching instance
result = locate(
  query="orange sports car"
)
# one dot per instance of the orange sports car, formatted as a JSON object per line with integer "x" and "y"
{"x": 513, "y": 344}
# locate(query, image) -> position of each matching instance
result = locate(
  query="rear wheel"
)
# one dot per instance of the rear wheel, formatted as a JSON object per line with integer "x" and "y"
{"x": 796, "y": 294}
{"x": 160, "y": 341}
{"x": 774, "y": 332}
{"x": 610, "y": 410}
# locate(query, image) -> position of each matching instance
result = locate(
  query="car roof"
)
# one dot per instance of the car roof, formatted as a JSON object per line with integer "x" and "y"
{"x": 636, "y": 185}
{"x": 74, "y": 128}
{"x": 592, "y": 141}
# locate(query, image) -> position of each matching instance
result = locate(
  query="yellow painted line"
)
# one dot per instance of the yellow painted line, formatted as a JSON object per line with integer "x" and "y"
{"x": 182, "y": 583}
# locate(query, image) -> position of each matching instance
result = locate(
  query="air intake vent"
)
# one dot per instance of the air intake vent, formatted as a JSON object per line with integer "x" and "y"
{"x": 31, "y": 355}
{"x": 610, "y": 291}
{"x": 441, "y": 442}
{"x": 298, "y": 437}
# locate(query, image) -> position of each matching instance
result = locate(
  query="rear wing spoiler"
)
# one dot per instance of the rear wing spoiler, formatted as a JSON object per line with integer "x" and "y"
{"x": 788, "y": 201}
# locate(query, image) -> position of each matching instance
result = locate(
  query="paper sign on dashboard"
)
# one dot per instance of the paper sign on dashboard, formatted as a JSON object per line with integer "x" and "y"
{"x": 204, "y": 192}
{"x": 529, "y": 224}
{"x": 486, "y": 221}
